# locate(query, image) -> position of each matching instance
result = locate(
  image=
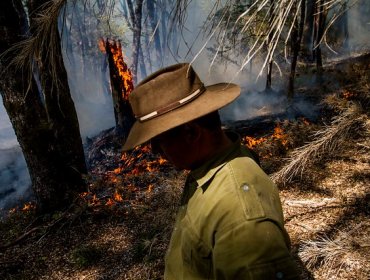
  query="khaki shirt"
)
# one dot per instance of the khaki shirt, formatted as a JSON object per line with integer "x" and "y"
{"x": 230, "y": 224}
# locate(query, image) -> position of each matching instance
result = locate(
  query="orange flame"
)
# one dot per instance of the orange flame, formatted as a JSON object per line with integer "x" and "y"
{"x": 117, "y": 197}
{"x": 280, "y": 135}
{"x": 27, "y": 206}
{"x": 150, "y": 188}
{"x": 252, "y": 142}
{"x": 110, "y": 202}
{"x": 101, "y": 45}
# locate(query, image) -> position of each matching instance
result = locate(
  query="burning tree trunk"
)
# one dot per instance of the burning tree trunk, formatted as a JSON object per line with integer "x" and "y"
{"x": 122, "y": 85}
{"x": 46, "y": 125}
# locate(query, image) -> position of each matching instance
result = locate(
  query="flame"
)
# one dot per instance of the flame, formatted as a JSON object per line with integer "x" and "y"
{"x": 280, "y": 135}
{"x": 110, "y": 202}
{"x": 252, "y": 142}
{"x": 117, "y": 170}
{"x": 101, "y": 45}
{"x": 150, "y": 188}
{"x": 117, "y": 197}
{"x": 27, "y": 206}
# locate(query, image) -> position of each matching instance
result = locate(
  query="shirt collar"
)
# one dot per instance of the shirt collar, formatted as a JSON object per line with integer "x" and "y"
{"x": 208, "y": 170}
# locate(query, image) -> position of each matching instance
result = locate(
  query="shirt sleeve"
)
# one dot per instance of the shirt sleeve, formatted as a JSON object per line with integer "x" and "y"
{"x": 253, "y": 250}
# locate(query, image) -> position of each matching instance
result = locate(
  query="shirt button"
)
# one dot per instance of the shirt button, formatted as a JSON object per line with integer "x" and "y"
{"x": 245, "y": 187}
{"x": 279, "y": 275}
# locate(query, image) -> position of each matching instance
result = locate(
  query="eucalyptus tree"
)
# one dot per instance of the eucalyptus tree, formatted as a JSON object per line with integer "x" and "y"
{"x": 36, "y": 96}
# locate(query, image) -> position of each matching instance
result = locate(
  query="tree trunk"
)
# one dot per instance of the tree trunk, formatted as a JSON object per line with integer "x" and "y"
{"x": 308, "y": 31}
{"x": 296, "y": 45}
{"x": 270, "y": 63}
{"x": 155, "y": 29}
{"x": 47, "y": 130}
{"x": 136, "y": 23}
{"x": 320, "y": 32}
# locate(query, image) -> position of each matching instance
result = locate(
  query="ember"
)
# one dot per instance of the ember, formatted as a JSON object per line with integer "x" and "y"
{"x": 347, "y": 94}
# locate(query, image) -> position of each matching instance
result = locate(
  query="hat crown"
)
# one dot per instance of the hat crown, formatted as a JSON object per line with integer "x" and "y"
{"x": 164, "y": 87}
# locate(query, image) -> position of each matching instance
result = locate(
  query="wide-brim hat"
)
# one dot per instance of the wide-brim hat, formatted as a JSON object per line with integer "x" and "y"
{"x": 171, "y": 97}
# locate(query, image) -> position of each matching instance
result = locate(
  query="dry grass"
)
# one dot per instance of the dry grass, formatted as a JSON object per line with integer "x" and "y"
{"x": 343, "y": 252}
{"x": 325, "y": 142}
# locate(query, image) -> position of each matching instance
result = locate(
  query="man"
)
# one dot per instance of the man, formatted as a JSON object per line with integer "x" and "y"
{"x": 230, "y": 223}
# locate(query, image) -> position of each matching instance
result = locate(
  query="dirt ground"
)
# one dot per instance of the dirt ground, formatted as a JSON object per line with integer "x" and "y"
{"x": 120, "y": 228}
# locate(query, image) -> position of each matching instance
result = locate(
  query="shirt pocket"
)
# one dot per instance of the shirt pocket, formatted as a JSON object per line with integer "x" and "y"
{"x": 197, "y": 257}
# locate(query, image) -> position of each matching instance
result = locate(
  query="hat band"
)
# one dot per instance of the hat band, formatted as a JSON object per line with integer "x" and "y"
{"x": 172, "y": 106}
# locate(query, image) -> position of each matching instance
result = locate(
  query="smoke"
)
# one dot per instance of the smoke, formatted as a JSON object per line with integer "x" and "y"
{"x": 14, "y": 176}
{"x": 359, "y": 26}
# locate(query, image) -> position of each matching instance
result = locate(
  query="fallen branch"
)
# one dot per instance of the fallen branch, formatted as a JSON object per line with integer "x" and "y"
{"x": 19, "y": 239}
{"x": 312, "y": 203}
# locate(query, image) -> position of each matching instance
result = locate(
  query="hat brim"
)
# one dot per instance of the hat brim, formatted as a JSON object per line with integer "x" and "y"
{"x": 213, "y": 98}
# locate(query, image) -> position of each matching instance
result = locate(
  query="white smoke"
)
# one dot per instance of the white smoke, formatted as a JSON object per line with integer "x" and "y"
{"x": 14, "y": 176}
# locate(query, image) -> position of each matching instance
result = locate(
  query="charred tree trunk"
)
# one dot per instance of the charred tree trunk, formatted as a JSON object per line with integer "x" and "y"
{"x": 123, "y": 114}
{"x": 47, "y": 129}
{"x": 296, "y": 45}
{"x": 269, "y": 76}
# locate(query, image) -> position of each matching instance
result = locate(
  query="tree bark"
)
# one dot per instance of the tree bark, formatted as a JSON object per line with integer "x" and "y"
{"x": 47, "y": 129}
{"x": 136, "y": 15}
{"x": 308, "y": 31}
{"x": 296, "y": 45}
{"x": 269, "y": 65}
{"x": 321, "y": 23}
